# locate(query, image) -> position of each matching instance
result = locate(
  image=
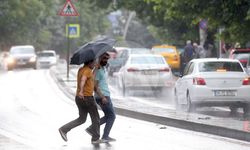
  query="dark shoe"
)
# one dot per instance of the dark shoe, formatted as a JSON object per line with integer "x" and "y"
{"x": 89, "y": 131}
{"x": 63, "y": 135}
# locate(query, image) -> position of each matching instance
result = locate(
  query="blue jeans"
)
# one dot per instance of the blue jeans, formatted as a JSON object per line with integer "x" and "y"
{"x": 109, "y": 115}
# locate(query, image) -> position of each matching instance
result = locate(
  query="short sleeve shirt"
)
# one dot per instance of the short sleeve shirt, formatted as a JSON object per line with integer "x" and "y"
{"x": 88, "y": 88}
{"x": 101, "y": 77}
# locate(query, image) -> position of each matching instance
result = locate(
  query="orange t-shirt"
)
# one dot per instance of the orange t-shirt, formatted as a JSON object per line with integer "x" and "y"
{"x": 88, "y": 88}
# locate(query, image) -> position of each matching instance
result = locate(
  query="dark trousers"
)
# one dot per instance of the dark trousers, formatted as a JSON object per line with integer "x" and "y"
{"x": 88, "y": 105}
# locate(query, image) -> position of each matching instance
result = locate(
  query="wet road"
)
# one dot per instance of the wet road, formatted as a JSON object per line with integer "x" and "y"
{"x": 32, "y": 108}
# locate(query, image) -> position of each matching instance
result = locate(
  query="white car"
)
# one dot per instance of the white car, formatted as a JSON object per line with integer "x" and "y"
{"x": 248, "y": 67}
{"x": 122, "y": 56}
{"x": 46, "y": 59}
{"x": 144, "y": 71}
{"x": 213, "y": 82}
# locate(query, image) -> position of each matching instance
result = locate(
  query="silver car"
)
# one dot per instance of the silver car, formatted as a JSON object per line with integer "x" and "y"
{"x": 21, "y": 56}
{"x": 213, "y": 82}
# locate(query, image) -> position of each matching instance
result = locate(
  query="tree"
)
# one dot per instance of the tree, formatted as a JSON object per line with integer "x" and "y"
{"x": 37, "y": 23}
{"x": 178, "y": 20}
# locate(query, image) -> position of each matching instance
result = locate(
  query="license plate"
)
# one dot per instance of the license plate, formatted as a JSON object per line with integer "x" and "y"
{"x": 149, "y": 72}
{"x": 21, "y": 63}
{"x": 224, "y": 92}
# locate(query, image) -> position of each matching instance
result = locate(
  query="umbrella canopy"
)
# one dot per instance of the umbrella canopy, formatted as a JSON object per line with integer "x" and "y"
{"x": 92, "y": 50}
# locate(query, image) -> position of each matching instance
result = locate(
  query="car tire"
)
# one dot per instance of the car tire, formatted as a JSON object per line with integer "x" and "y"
{"x": 177, "y": 105}
{"x": 34, "y": 67}
{"x": 246, "y": 110}
{"x": 9, "y": 68}
{"x": 233, "y": 110}
{"x": 158, "y": 91}
{"x": 189, "y": 106}
{"x": 124, "y": 90}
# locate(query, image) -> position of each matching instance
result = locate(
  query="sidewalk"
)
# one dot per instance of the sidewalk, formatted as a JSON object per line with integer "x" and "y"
{"x": 227, "y": 127}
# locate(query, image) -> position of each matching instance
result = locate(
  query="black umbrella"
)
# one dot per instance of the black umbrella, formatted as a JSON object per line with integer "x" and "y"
{"x": 92, "y": 50}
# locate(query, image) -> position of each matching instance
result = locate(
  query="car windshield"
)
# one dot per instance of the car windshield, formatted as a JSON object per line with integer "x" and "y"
{"x": 140, "y": 51}
{"x": 241, "y": 56}
{"x": 147, "y": 60}
{"x": 45, "y": 54}
{"x": 21, "y": 50}
{"x": 217, "y": 66}
{"x": 162, "y": 50}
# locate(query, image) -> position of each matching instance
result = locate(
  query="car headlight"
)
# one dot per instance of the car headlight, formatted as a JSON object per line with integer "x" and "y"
{"x": 32, "y": 59}
{"x": 10, "y": 60}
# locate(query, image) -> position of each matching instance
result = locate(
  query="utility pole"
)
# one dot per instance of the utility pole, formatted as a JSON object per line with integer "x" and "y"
{"x": 131, "y": 15}
{"x": 221, "y": 29}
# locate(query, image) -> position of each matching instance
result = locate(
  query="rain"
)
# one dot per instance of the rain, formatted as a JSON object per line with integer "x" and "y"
{"x": 166, "y": 73}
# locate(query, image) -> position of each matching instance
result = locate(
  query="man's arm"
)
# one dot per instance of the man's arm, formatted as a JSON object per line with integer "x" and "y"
{"x": 82, "y": 83}
{"x": 99, "y": 93}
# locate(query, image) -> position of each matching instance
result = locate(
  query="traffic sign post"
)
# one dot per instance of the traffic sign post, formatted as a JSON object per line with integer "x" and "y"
{"x": 68, "y": 9}
{"x": 72, "y": 30}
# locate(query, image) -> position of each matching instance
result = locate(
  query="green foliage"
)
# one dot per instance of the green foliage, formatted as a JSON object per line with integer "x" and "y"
{"x": 37, "y": 22}
{"x": 23, "y": 21}
{"x": 178, "y": 20}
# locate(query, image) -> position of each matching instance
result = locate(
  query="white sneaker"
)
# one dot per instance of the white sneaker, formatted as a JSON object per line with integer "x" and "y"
{"x": 97, "y": 141}
{"x": 108, "y": 139}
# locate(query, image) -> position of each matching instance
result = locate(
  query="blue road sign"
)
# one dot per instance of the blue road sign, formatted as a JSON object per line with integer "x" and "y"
{"x": 73, "y": 30}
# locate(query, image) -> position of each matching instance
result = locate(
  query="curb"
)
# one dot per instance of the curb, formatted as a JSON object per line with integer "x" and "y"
{"x": 168, "y": 121}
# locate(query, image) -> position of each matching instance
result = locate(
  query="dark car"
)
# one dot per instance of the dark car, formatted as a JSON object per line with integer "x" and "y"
{"x": 21, "y": 56}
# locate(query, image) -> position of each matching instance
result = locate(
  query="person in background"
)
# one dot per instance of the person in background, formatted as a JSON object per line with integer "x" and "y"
{"x": 189, "y": 52}
{"x": 187, "y": 55}
{"x": 85, "y": 103}
{"x": 196, "y": 49}
{"x": 199, "y": 51}
{"x": 102, "y": 96}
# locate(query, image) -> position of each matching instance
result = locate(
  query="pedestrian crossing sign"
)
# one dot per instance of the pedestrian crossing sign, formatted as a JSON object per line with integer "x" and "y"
{"x": 72, "y": 30}
{"x": 68, "y": 9}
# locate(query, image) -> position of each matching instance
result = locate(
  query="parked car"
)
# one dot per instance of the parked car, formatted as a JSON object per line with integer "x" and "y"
{"x": 242, "y": 54}
{"x": 213, "y": 82}
{"x": 46, "y": 59}
{"x": 113, "y": 54}
{"x": 122, "y": 57}
{"x": 21, "y": 56}
{"x": 144, "y": 71}
{"x": 170, "y": 53}
{"x": 248, "y": 67}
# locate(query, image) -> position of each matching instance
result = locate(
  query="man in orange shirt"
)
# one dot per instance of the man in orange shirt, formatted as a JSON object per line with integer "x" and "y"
{"x": 85, "y": 102}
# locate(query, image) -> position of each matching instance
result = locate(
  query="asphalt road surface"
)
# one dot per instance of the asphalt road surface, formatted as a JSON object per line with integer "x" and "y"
{"x": 32, "y": 108}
